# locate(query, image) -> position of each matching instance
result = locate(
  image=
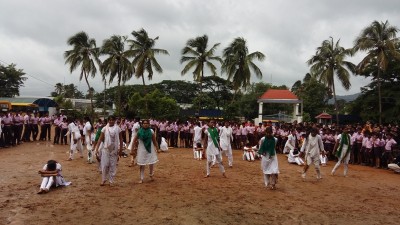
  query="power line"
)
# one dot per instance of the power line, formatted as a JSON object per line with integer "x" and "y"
{"x": 52, "y": 85}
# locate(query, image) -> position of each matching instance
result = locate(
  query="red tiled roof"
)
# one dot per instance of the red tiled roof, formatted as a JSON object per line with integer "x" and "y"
{"x": 323, "y": 116}
{"x": 278, "y": 94}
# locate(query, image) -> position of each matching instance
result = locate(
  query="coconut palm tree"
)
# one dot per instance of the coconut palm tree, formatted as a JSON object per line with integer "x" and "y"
{"x": 84, "y": 54}
{"x": 379, "y": 39}
{"x": 238, "y": 63}
{"x": 59, "y": 88}
{"x": 143, "y": 51}
{"x": 329, "y": 62}
{"x": 118, "y": 64}
{"x": 197, "y": 56}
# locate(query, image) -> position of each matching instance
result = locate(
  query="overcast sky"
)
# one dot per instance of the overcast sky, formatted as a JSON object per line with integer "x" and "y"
{"x": 33, "y": 33}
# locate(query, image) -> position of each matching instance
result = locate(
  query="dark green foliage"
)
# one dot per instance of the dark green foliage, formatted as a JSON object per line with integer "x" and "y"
{"x": 11, "y": 79}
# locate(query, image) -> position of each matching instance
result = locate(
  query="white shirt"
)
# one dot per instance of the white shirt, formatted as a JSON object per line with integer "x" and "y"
{"x": 313, "y": 146}
{"x": 197, "y": 133}
{"x": 211, "y": 148}
{"x": 87, "y": 128}
{"x": 225, "y": 137}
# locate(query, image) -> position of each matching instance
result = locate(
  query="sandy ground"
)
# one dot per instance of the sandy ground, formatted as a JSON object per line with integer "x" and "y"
{"x": 180, "y": 194}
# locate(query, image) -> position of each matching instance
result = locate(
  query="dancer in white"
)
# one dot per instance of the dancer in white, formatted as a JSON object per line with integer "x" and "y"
{"x": 342, "y": 151}
{"x": 51, "y": 174}
{"x": 111, "y": 149}
{"x": 147, "y": 148}
{"x": 269, "y": 161}
{"x": 133, "y": 152}
{"x": 313, "y": 147}
{"x": 75, "y": 140}
{"x": 226, "y": 138}
{"x": 291, "y": 142}
{"x": 87, "y": 131}
{"x": 213, "y": 148}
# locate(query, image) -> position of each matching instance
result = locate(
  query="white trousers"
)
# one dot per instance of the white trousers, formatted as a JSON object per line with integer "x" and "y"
{"x": 345, "y": 160}
{"x": 47, "y": 182}
{"x": 228, "y": 154}
{"x": 248, "y": 155}
{"x": 89, "y": 148}
{"x": 108, "y": 165}
{"x": 218, "y": 160}
{"x": 394, "y": 167}
{"x": 76, "y": 147}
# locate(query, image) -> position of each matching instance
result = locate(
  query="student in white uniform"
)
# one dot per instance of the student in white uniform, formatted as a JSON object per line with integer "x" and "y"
{"x": 133, "y": 151}
{"x": 163, "y": 145}
{"x": 197, "y": 139}
{"x": 342, "y": 151}
{"x": 269, "y": 160}
{"x": 111, "y": 138}
{"x": 226, "y": 138}
{"x": 294, "y": 157}
{"x": 76, "y": 141}
{"x": 51, "y": 174}
{"x": 291, "y": 142}
{"x": 87, "y": 132}
{"x": 213, "y": 148}
{"x": 147, "y": 149}
{"x": 313, "y": 147}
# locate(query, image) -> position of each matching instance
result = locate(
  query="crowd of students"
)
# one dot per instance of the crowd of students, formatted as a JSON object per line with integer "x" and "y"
{"x": 304, "y": 143}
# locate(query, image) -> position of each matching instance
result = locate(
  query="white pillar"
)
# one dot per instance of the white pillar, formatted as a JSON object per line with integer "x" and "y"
{"x": 294, "y": 112}
{"x": 260, "y": 111}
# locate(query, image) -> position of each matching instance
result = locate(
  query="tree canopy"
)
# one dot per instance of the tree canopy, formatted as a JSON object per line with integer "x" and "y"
{"x": 11, "y": 80}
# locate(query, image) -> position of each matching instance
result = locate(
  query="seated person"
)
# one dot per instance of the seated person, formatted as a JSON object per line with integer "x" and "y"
{"x": 248, "y": 153}
{"x": 198, "y": 151}
{"x": 294, "y": 157}
{"x": 163, "y": 145}
{"x": 395, "y": 166}
{"x": 51, "y": 174}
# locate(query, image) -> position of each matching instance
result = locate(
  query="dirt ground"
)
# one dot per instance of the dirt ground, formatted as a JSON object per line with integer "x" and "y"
{"x": 180, "y": 194}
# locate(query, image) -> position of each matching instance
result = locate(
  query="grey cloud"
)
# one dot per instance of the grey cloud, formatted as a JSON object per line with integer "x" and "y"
{"x": 33, "y": 33}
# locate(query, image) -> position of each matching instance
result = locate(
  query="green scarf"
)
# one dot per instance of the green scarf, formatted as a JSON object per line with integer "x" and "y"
{"x": 146, "y": 136}
{"x": 345, "y": 140}
{"x": 214, "y": 135}
{"x": 268, "y": 146}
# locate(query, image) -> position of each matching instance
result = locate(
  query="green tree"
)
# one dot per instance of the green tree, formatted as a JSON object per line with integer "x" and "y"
{"x": 380, "y": 40}
{"x": 328, "y": 61}
{"x": 85, "y": 54}
{"x": 197, "y": 56}
{"x": 118, "y": 64}
{"x": 364, "y": 105}
{"x": 11, "y": 79}
{"x": 203, "y": 101}
{"x": 238, "y": 63}
{"x": 313, "y": 93}
{"x": 159, "y": 105}
{"x": 144, "y": 53}
{"x": 218, "y": 89}
{"x": 59, "y": 88}
{"x": 181, "y": 91}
